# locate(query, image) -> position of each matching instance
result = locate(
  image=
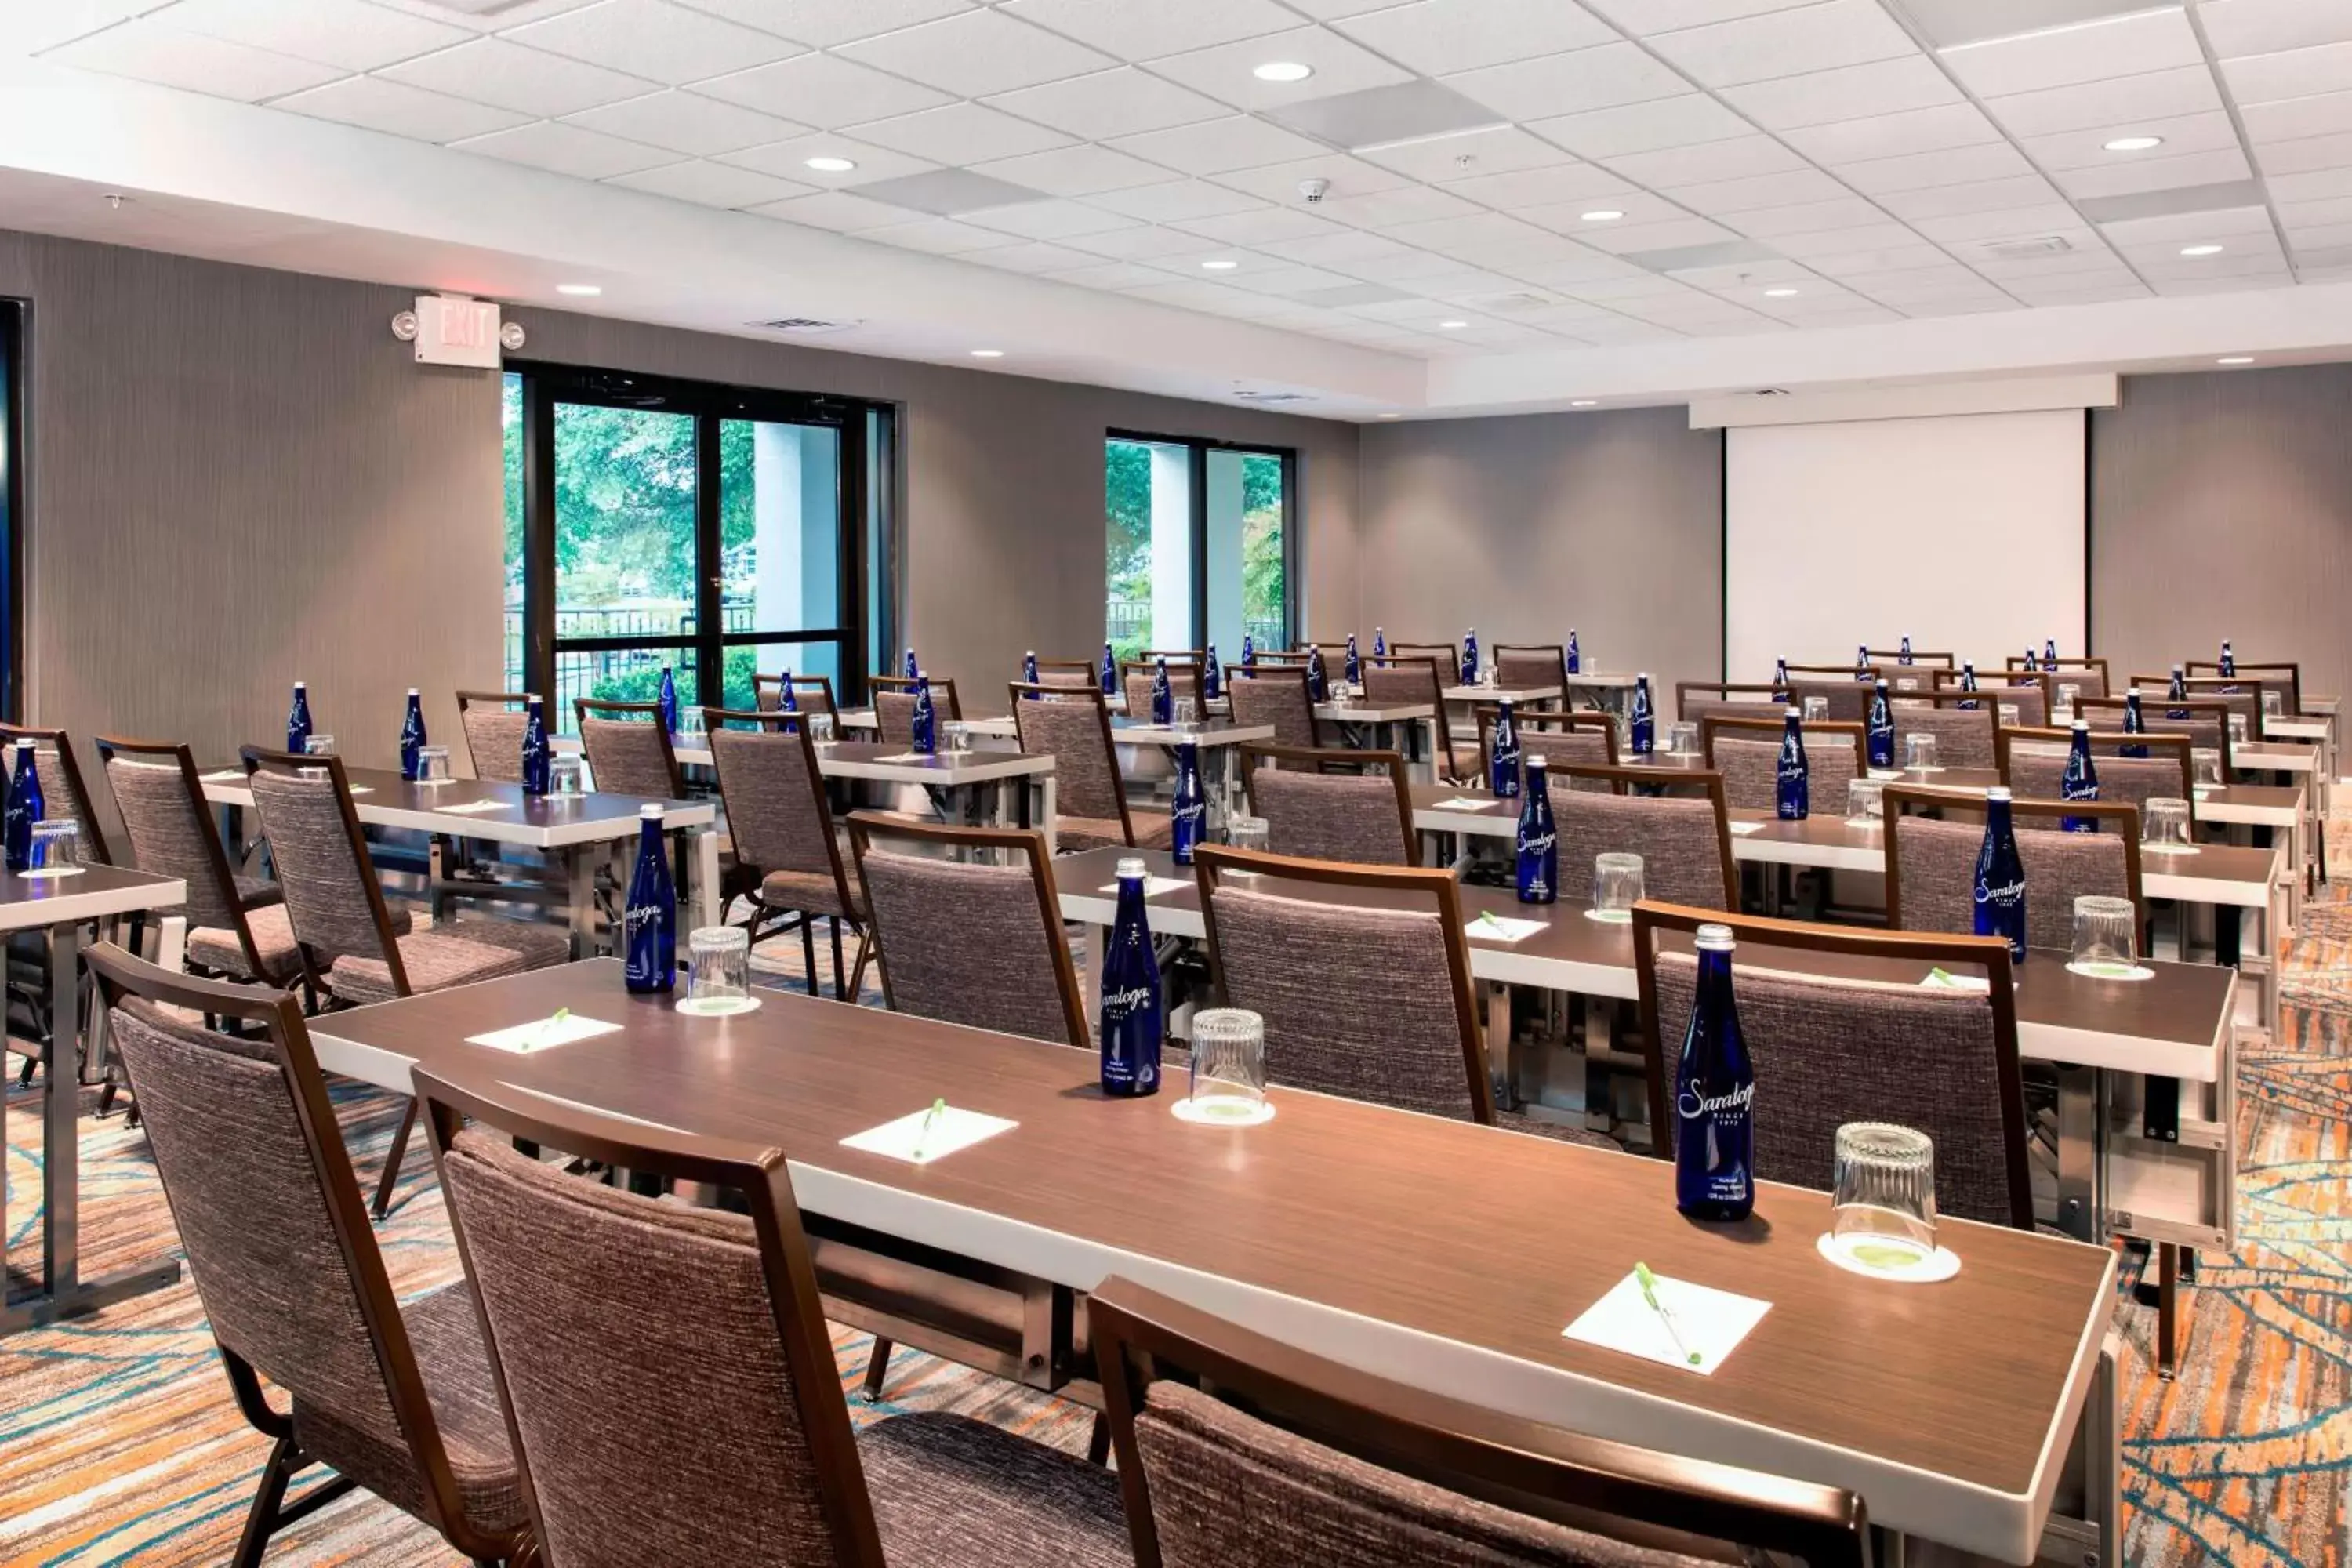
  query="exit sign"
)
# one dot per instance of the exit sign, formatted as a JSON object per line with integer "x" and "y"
{"x": 454, "y": 329}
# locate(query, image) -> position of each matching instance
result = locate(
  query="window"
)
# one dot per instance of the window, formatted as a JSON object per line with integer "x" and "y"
{"x": 1197, "y": 544}
{"x": 717, "y": 532}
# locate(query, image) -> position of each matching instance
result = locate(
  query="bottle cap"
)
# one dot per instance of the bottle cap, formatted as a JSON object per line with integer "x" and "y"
{"x": 2131, "y": 691}
{"x": 530, "y": 697}
{"x": 1882, "y": 683}
{"x": 1536, "y": 763}
{"x": 1030, "y": 654}
{"x": 1131, "y": 868}
{"x": 412, "y": 692}
{"x": 24, "y": 743}
{"x": 2082, "y": 724}
{"x": 303, "y": 685}
{"x": 1792, "y": 712}
{"x": 652, "y": 811}
{"x": 1998, "y": 792}
{"x": 1713, "y": 937}
{"x": 1643, "y": 675}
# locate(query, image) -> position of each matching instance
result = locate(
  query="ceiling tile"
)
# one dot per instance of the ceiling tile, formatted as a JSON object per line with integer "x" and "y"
{"x": 789, "y": 159}
{"x": 1842, "y": 212}
{"x": 1049, "y": 220}
{"x": 2237, "y": 27}
{"x": 1121, "y": 102}
{"x": 1348, "y": 177}
{"x": 1933, "y": 129}
{"x": 1643, "y": 126}
{"x": 977, "y": 52}
{"x": 1034, "y": 256}
{"x": 1263, "y": 224}
{"x": 1920, "y": 171}
{"x": 1639, "y": 237}
{"x": 566, "y": 150}
{"x": 1146, "y": 29}
{"x": 2306, "y": 155}
{"x": 1567, "y": 181}
{"x": 1287, "y": 277}
{"x": 1387, "y": 209}
{"x": 332, "y": 32}
{"x": 711, "y": 185}
{"x": 2322, "y": 185}
{"x": 685, "y": 122}
{"x": 960, "y": 134}
{"x": 1216, "y": 145}
{"x": 2153, "y": 175}
{"x": 2177, "y": 229}
{"x": 821, "y": 89}
{"x": 1850, "y": 92}
{"x": 824, "y": 23}
{"x": 648, "y": 38}
{"x": 2157, "y": 95}
{"x": 1725, "y": 198}
{"x": 1569, "y": 218}
{"x": 1340, "y": 249}
{"x": 2290, "y": 119}
{"x": 1732, "y": 160}
{"x": 2087, "y": 149}
{"x": 508, "y": 76}
{"x": 1140, "y": 243}
{"x": 1082, "y": 171}
{"x": 2047, "y": 215}
{"x": 1178, "y": 200}
{"x": 1486, "y": 239}
{"x": 1435, "y": 37}
{"x": 1643, "y": 17}
{"x": 1224, "y": 71}
{"x": 2062, "y": 291}
{"x": 2325, "y": 237}
{"x": 840, "y": 211}
{"x": 1474, "y": 154}
{"x": 399, "y": 110}
{"x": 1786, "y": 43}
{"x": 1886, "y": 259}
{"x": 2291, "y": 73}
{"x": 33, "y": 27}
{"x": 1985, "y": 195}
{"x": 2092, "y": 51}
{"x": 952, "y": 193}
{"x": 2295, "y": 214}
{"x": 148, "y": 50}
{"x": 1111, "y": 275}
{"x": 1406, "y": 268}
{"x": 1570, "y": 83}
{"x": 941, "y": 237}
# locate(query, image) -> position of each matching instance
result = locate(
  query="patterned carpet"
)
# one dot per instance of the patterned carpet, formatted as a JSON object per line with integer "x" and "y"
{"x": 119, "y": 1443}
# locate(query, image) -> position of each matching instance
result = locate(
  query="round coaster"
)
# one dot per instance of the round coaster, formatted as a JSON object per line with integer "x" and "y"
{"x": 45, "y": 873}
{"x": 1610, "y": 917}
{"x": 1222, "y": 1111}
{"x": 717, "y": 1007}
{"x": 2112, "y": 971}
{"x": 1850, "y": 1253}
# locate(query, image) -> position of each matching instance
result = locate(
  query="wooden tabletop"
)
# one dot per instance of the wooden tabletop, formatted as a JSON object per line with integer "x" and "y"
{"x": 1356, "y": 710}
{"x": 1210, "y": 733}
{"x": 94, "y": 892}
{"x": 891, "y": 762}
{"x": 385, "y": 799}
{"x": 1500, "y": 693}
{"x": 1945, "y": 1408}
{"x": 2172, "y": 1024}
{"x": 2257, "y": 806}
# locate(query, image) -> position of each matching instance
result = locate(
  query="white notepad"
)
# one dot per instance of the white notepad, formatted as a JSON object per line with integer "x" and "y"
{"x": 952, "y": 1130}
{"x": 1944, "y": 980}
{"x": 1152, "y": 886}
{"x": 1741, "y": 830}
{"x": 907, "y": 757}
{"x": 1503, "y": 928}
{"x": 1709, "y": 1321}
{"x": 542, "y": 1033}
{"x": 1463, "y": 803}
{"x": 475, "y": 807}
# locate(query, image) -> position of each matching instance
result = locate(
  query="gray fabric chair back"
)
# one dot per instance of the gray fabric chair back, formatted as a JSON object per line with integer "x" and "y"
{"x": 1695, "y": 708}
{"x": 1277, "y": 697}
{"x": 494, "y": 741}
{"x": 1938, "y": 869}
{"x": 1677, "y": 838}
{"x": 1963, "y": 735}
{"x": 172, "y": 835}
{"x": 1830, "y": 1051}
{"x": 2092, "y": 680}
{"x": 810, "y": 694}
{"x": 1565, "y": 746}
{"x": 1086, "y": 769}
{"x": 1523, "y": 668}
{"x": 966, "y": 942}
{"x": 1080, "y": 679}
{"x": 776, "y": 808}
{"x": 62, "y": 798}
{"x": 1751, "y": 771}
{"x": 1330, "y": 817}
{"x": 2032, "y": 712}
{"x": 894, "y": 716}
{"x": 1396, "y": 685}
{"x": 1848, "y": 700}
{"x": 2035, "y": 772}
{"x": 327, "y": 876}
{"x": 1183, "y": 685}
{"x": 604, "y": 1393}
{"x": 1357, "y": 1000}
{"x": 628, "y": 757}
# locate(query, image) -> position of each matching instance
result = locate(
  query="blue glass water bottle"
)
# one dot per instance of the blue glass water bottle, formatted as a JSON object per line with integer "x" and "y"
{"x": 2080, "y": 781}
{"x": 2050, "y": 652}
{"x": 1575, "y": 654}
{"x": 925, "y": 723}
{"x": 2228, "y": 661}
{"x": 1131, "y": 995}
{"x": 1862, "y": 661}
{"x": 1163, "y": 696}
{"x": 1968, "y": 683}
{"x": 412, "y": 735}
{"x": 666, "y": 702}
{"x": 2134, "y": 723}
{"x": 1353, "y": 669}
{"x": 2000, "y": 877}
{"x": 1319, "y": 680}
{"x": 1793, "y": 785}
{"x": 1643, "y": 721}
{"x": 298, "y": 721}
{"x": 1109, "y": 673}
{"x": 1503, "y": 756}
{"x": 1470, "y": 658}
{"x": 650, "y": 920}
{"x": 1881, "y": 735}
{"x": 2031, "y": 664}
{"x": 786, "y": 702}
{"x": 913, "y": 669}
{"x": 1715, "y": 1096}
{"x": 1188, "y": 809}
{"x": 1213, "y": 678}
{"x": 2178, "y": 692}
{"x": 1903, "y": 656}
{"x": 1249, "y": 651}
{"x": 535, "y": 748}
{"x": 1029, "y": 670}
{"x": 1380, "y": 643}
{"x": 1539, "y": 841}
{"x": 26, "y": 807}
{"x": 1779, "y": 680}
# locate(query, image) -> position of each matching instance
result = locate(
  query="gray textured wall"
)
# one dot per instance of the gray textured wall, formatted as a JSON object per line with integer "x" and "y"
{"x": 2222, "y": 507}
{"x": 1524, "y": 526}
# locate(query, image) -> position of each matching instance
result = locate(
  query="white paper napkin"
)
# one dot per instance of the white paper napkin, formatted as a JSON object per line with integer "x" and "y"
{"x": 1944, "y": 980}
{"x": 475, "y": 807}
{"x": 1741, "y": 830}
{"x": 1707, "y": 1320}
{"x": 542, "y": 1033}
{"x": 1152, "y": 886}
{"x": 952, "y": 1130}
{"x": 1503, "y": 928}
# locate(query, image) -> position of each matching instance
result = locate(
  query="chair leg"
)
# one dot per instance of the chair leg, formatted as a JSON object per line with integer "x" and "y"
{"x": 263, "y": 1517}
{"x": 1099, "y": 1441}
{"x": 835, "y": 923}
{"x": 391, "y": 1177}
{"x": 858, "y": 971}
{"x": 877, "y": 1369}
{"x": 2167, "y": 1309}
{"x": 808, "y": 951}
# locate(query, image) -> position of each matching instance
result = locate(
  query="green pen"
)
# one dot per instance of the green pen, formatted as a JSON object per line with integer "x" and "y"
{"x": 1649, "y": 1294}
{"x": 1486, "y": 918}
{"x": 939, "y": 1108}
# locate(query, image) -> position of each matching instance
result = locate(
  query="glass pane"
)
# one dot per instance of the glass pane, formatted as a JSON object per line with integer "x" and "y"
{"x": 1147, "y": 508}
{"x": 511, "y": 414}
{"x": 775, "y": 658}
{"x": 625, "y": 483}
{"x": 1247, "y": 587}
{"x": 629, "y": 675}
{"x": 780, "y": 541}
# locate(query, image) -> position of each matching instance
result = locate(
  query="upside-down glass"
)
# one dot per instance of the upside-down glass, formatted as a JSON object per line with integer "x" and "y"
{"x": 2008, "y": 711}
{"x": 56, "y": 848}
{"x": 720, "y": 979}
{"x": 1682, "y": 739}
{"x": 2164, "y": 826}
{"x": 2238, "y": 729}
{"x": 433, "y": 764}
{"x": 2205, "y": 766}
{"x": 1907, "y": 683}
{"x": 1817, "y": 709}
{"x": 2106, "y": 933}
{"x": 2062, "y": 712}
{"x": 2273, "y": 705}
{"x": 320, "y": 745}
{"x": 959, "y": 735}
{"x": 1228, "y": 1066}
{"x": 1865, "y": 802}
{"x": 820, "y": 729}
{"x": 1616, "y": 886}
{"x": 1246, "y": 832}
{"x": 1186, "y": 715}
{"x": 1919, "y": 753}
{"x": 563, "y": 774}
{"x": 1883, "y": 1195}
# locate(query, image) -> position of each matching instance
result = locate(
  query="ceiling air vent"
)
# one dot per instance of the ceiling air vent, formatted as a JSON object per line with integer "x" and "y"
{"x": 805, "y": 326}
{"x": 2028, "y": 249}
{"x": 1770, "y": 392}
{"x": 1273, "y": 396}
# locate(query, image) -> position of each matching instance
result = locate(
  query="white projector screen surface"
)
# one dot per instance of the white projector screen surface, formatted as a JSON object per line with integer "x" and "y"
{"x": 1965, "y": 532}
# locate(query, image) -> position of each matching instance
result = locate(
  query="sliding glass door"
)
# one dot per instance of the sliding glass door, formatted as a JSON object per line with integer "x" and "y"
{"x": 1198, "y": 544}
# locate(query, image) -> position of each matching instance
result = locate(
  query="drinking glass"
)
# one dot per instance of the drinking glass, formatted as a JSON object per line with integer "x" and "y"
{"x": 1919, "y": 753}
{"x": 1246, "y": 833}
{"x": 1616, "y": 886}
{"x": 2205, "y": 765}
{"x": 2106, "y": 934}
{"x": 1682, "y": 739}
{"x": 563, "y": 774}
{"x": 56, "y": 848}
{"x": 1865, "y": 802}
{"x": 1907, "y": 683}
{"x": 2164, "y": 826}
{"x": 820, "y": 728}
{"x": 1187, "y": 713}
{"x": 433, "y": 764}
{"x": 2274, "y": 704}
{"x": 959, "y": 735}
{"x": 2008, "y": 711}
{"x": 2237, "y": 729}
{"x": 1228, "y": 1068}
{"x": 720, "y": 979}
{"x": 1817, "y": 710}
{"x": 2062, "y": 712}
{"x": 1883, "y": 1196}
{"x": 689, "y": 722}
{"x": 320, "y": 746}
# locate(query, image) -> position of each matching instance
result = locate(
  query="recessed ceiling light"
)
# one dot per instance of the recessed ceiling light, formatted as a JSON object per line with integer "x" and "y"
{"x": 1283, "y": 71}
{"x": 1780, "y": 293}
{"x": 828, "y": 166}
{"x": 1219, "y": 266}
{"x": 1452, "y": 326}
{"x": 988, "y": 353}
{"x": 2201, "y": 250}
{"x": 2134, "y": 143}
{"x": 579, "y": 290}
{"x": 1604, "y": 214}
{"x": 2235, "y": 359}
{"x": 1585, "y": 402}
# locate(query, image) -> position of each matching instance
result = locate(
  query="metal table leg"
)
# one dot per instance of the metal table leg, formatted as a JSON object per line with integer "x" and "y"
{"x": 580, "y": 863}
{"x": 2081, "y": 1135}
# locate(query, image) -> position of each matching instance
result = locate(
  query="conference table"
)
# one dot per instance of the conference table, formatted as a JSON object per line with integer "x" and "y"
{"x": 55, "y": 907}
{"x": 1441, "y": 1254}
{"x": 582, "y": 831}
